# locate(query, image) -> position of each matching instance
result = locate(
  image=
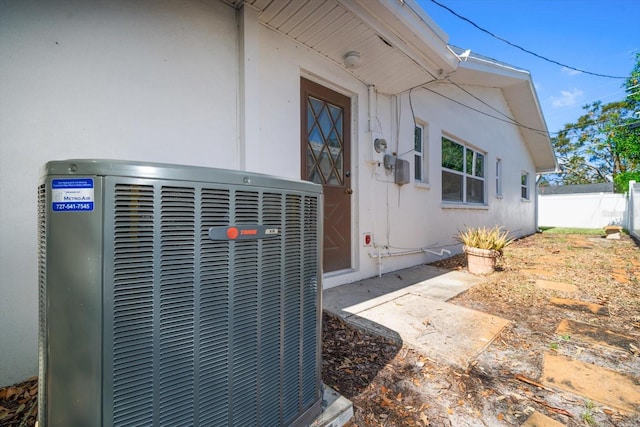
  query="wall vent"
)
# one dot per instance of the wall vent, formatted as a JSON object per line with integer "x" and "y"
{"x": 177, "y": 296}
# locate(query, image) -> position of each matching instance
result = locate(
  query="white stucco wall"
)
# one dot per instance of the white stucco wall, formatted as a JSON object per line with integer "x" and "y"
{"x": 146, "y": 80}
{"x": 400, "y": 218}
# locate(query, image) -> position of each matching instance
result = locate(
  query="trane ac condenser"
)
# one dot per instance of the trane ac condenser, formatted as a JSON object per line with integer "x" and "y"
{"x": 177, "y": 296}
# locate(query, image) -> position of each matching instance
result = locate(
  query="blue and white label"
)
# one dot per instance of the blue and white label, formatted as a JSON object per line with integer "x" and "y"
{"x": 75, "y": 194}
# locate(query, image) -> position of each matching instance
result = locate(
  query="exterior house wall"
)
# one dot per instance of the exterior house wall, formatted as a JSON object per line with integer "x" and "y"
{"x": 401, "y": 218}
{"x": 145, "y": 80}
{"x": 200, "y": 83}
{"x": 413, "y": 216}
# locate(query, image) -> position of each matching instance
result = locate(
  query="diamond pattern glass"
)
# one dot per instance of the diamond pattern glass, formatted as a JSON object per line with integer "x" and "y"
{"x": 324, "y": 142}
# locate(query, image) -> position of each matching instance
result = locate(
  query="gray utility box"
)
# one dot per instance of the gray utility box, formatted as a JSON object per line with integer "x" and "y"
{"x": 177, "y": 296}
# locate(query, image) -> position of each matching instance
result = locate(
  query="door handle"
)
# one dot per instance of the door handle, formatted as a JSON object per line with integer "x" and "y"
{"x": 348, "y": 191}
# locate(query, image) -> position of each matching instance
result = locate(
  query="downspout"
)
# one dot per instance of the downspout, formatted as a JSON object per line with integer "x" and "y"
{"x": 536, "y": 204}
{"x": 372, "y": 110}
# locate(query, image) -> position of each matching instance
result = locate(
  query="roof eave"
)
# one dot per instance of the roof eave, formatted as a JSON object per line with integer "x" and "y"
{"x": 520, "y": 94}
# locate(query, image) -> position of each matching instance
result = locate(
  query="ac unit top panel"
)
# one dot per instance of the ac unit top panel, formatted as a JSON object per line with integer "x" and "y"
{"x": 106, "y": 167}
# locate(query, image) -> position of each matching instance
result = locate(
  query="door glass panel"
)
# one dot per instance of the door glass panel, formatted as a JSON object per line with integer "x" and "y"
{"x": 316, "y": 105}
{"x": 333, "y": 179}
{"x": 325, "y": 140}
{"x": 334, "y": 140}
{"x": 315, "y": 138}
{"x": 314, "y": 176}
{"x": 325, "y": 164}
{"x": 336, "y": 116}
{"x": 338, "y": 168}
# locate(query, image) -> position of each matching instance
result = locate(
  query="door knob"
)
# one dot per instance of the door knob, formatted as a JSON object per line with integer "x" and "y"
{"x": 348, "y": 191}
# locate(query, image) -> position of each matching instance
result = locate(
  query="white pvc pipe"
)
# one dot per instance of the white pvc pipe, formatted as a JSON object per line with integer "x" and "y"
{"x": 379, "y": 255}
{"x": 372, "y": 108}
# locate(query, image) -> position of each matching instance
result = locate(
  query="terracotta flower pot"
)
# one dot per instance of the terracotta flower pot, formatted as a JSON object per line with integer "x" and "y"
{"x": 481, "y": 261}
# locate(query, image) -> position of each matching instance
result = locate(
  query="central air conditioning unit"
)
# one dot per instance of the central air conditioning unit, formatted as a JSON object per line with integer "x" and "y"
{"x": 177, "y": 296}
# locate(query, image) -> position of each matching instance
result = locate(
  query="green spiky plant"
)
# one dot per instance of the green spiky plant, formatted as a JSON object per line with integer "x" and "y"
{"x": 495, "y": 238}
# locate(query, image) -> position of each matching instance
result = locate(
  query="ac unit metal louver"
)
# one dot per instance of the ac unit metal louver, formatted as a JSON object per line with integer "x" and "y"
{"x": 177, "y": 296}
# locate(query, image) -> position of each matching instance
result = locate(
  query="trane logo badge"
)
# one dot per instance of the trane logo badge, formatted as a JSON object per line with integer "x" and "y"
{"x": 243, "y": 232}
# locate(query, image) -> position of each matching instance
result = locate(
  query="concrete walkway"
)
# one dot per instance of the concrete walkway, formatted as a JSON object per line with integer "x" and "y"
{"x": 410, "y": 306}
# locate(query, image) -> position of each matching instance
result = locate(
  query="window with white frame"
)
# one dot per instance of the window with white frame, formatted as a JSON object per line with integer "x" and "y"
{"x": 418, "y": 153}
{"x": 499, "y": 177}
{"x": 524, "y": 186}
{"x": 463, "y": 173}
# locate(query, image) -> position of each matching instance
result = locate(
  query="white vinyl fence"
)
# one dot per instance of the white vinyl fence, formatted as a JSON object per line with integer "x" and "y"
{"x": 586, "y": 210}
{"x": 634, "y": 209}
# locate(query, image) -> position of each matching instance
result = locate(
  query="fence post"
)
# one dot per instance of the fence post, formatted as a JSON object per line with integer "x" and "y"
{"x": 633, "y": 227}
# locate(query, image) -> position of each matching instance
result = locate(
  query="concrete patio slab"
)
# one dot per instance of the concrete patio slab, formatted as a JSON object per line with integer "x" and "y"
{"x": 424, "y": 280}
{"x": 409, "y": 306}
{"x": 592, "y": 382}
{"x": 589, "y": 334}
{"x": 442, "y": 331}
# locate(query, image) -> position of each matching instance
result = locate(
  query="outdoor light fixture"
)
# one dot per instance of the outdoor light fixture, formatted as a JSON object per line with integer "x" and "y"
{"x": 352, "y": 59}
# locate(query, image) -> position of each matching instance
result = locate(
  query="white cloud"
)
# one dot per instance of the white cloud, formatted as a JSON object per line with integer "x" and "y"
{"x": 566, "y": 98}
{"x": 570, "y": 72}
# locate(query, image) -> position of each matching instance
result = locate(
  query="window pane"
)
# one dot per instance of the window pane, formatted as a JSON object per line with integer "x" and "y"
{"x": 524, "y": 193}
{"x": 417, "y": 160}
{"x": 452, "y": 155}
{"x": 417, "y": 145}
{"x": 451, "y": 187}
{"x": 475, "y": 190}
{"x": 524, "y": 179}
{"x": 479, "y": 165}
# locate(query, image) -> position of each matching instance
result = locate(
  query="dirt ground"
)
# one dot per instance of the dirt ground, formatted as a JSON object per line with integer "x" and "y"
{"x": 393, "y": 385}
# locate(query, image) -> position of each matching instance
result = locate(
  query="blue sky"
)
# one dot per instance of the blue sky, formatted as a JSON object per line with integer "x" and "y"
{"x": 597, "y": 36}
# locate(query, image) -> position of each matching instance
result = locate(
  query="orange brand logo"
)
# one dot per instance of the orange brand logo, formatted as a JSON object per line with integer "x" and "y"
{"x": 248, "y": 232}
{"x": 232, "y": 233}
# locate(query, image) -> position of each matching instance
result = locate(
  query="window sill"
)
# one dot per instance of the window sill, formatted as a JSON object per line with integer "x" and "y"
{"x": 422, "y": 185}
{"x": 474, "y": 206}
{"x": 525, "y": 200}
{"x": 499, "y": 196}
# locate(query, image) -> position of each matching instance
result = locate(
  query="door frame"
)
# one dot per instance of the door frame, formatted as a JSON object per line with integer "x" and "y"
{"x": 325, "y": 90}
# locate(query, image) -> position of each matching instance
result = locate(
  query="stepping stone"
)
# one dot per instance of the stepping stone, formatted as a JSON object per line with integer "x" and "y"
{"x": 592, "y": 335}
{"x": 556, "y": 286}
{"x": 621, "y": 278}
{"x": 536, "y": 419}
{"x": 551, "y": 260}
{"x": 593, "y": 382}
{"x": 536, "y": 272}
{"x": 583, "y": 306}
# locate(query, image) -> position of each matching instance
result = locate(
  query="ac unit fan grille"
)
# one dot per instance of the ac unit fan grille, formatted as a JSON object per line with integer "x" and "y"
{"x": 213, "y": 332}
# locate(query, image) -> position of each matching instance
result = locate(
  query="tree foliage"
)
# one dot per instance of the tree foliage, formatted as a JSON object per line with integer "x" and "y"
{"x": 603, "y": 145}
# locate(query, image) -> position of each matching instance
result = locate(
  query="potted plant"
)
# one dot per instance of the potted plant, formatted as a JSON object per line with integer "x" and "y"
{"x": 483, "y": 246}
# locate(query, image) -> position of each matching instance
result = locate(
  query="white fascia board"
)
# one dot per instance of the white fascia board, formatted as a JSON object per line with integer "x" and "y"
{"x": 407, "y": 28}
